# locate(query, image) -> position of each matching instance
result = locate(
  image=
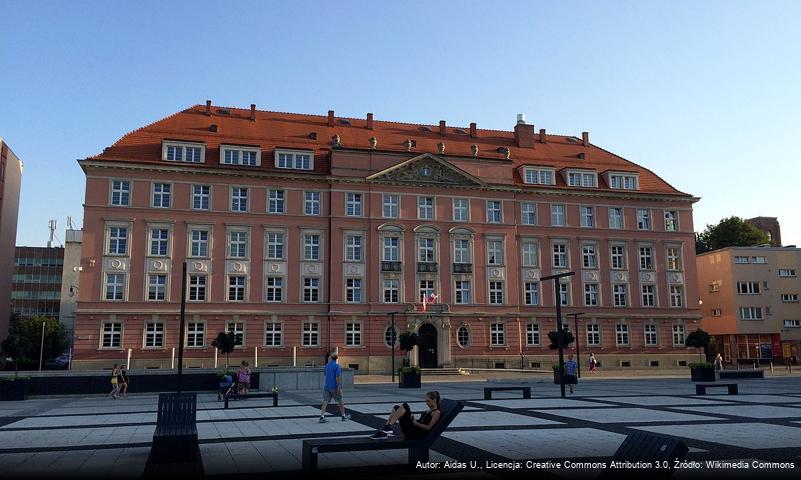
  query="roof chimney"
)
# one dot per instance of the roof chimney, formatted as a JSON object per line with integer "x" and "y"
{"x": 521, "y": 118}
{"x": 524, "y": 133}
{"x": 442, "y": 128}
{"x": 369, "y": 121}
{"x": 585, "y": 138}
{"x": 208, "y": 107}
{"x": 330, "y": 118}
{"x": 542, "y": 135}
{"x": 252, "y": 112}
{"x": 473, "y": 133}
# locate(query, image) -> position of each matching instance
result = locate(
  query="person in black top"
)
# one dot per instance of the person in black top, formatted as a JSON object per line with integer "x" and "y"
{"x": 411, "y": 428}
{"x": 122, "y": 380}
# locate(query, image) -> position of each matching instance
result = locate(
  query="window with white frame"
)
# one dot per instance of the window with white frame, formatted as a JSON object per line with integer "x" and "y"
{"x": 531, "y": 293}
{"x": 311, "y": 247}
{"x": 425, "y": 250}
{"x": 311, "y": 203}
{"x": 588, "y": 255}
{"x": 237, "y": 244}
{"x": 558, "y": 215}
{"x": 619, "y": 295}
{"x": 353, "y": 247}
{"x": 311, "y": 289}
{"x": 461, "y": 251}
{"x": 496, "y": 293}
{"x": 673, "y": 258}
{"x": 587, "y": 216}
{"x": 311, "y": 334}
{"x": 353, "y": 204}
{"x": 643, "y": 219}
{"x": 238, "y": 329}
{"x": 199, "y": 243}
{"x": 593, "y": 335}
{"x": 671, "y": 220}
{"x": 648, "y": 295}
{"x": 676, "y": 296}
{"x": 494, "y": 211}
{"x": 236, "y": 288}
{"x": 564, "y": 293}
{"x": 115, "y": 286}
{"x": 275, "y": 246}
{"x": 425, "y": 208}
{"x": 156, "y": 287}
{"x": 391, "y": 206}
{"x": 759, "y": 259}
{"x": 463, "y": 336}
{"x": 154, "y": 335}
{"x": 620, "y": 181}
{"x": 391, "y": 249}
{"x": 716, "y": 312}
{"x": 740, "y": 259}
{"x": 390, "y": 336}
{"x": 183, "y": 152}
{"x": 112, "y": 335}
{"x": 461, "y": 210}
{"x": 239, "y": 199}
{"x": 751, "y": 313}
{"x": 294, "y": 160}
{"x": 618, "y": 256}
{"x": 622, "y": 334}
{"x": 528, "y": 213}
{"x": 539, "y": 176}
{"x": 159, "y": 242}
{"x": 787, "y": 272}
{"x": 161, "y": 195}
{"x": 616, "y": 218}
{"x": 274, "y": 292}
{"x": 197, "y": 288}
{"x": 530, "y": 253}
{"x": 497, "y": 334}
{"x": 353, "y": 290}
{"x": 650, "y": 335}
{"x": 195, "y": 334}
{"x": 353, "y": 334}
{"x": 200, "y": 197}
{"x": 532, "y": 334}
{"x": 230, "y": 155}
{"x": 494, "y": 252}
{"x": 391, "y": 290}
{"x": 646, "y": 258}
{"x": 790, "y": 297}
{"x": 120, "y": 193}
{"x": 792, "y": 323}
{"x": 748, "y": 288}
{"x": 425, "y": 289}
{"x": 591, "y": 294}
{"x": 117, "y": 240}
{"x": 560, "y": 259}
{"x": 462, "y": 292}
{"x": 581, "y": 179}
{"x": 678, "y": 335}
{"x": 275, "y": 201}
{"x": 273, "y": 334}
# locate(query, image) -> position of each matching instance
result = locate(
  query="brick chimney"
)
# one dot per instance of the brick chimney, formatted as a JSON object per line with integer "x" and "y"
{"x": 442, "y": 128}
{"x": 524, "y": 133}
{"x": 542, "y": 135}
{"x": 585, "y": 138}
{"x": 473, "y": 133}
{"x": 369, "y": 121}
{"x": 252, "y": 112}
{"x": 330, "y": 118}
{"x": 208, "y": 107}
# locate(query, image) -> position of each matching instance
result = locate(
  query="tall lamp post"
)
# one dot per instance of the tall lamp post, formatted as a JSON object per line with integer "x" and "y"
{"x": 181, "y": 330}
{"x": 575, "y": 326}
{"x": 556, "y": 282}
{"x": 393, "y": 339}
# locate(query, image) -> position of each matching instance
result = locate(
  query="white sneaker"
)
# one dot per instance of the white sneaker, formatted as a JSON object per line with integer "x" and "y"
{"x": 323, "y": 420}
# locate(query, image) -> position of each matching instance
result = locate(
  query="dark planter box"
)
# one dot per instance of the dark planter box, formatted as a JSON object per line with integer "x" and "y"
{"x": 727, "y": 374}
{"x": 408, "y": 380}
{"x": 14, "y": 390}
{"x": 557, "y": 378}
{"x": 702, "y": 374}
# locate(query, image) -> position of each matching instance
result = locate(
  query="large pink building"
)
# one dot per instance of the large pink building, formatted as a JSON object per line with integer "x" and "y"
{"x": 302, "y": 233}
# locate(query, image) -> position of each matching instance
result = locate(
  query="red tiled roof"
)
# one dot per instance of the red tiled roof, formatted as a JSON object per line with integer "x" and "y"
{"x": 291, "y": 130}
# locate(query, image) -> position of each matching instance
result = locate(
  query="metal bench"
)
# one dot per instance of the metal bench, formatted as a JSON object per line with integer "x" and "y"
{"x": 175, "y": 437}
{"x": 237, "y": 396}
{"x": 647, "y": 447}
{"x": 418, "y": 448}
{"x": 700, "y": 388}
{"x": 488, "y": 391}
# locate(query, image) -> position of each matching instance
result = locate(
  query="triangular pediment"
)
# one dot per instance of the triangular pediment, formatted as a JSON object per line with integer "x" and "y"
{"x": 427, "y": 169}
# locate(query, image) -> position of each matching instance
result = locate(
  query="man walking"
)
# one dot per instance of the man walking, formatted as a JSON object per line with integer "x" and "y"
{"x": 570, "y": 372}
{"x": 333, "y": 388}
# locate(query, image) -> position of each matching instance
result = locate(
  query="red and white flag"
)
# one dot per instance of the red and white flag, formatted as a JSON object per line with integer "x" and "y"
{"x": 430, "y": 298}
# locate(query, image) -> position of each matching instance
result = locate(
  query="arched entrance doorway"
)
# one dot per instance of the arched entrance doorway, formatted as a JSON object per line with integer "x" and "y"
{"x": 428, "y": 346}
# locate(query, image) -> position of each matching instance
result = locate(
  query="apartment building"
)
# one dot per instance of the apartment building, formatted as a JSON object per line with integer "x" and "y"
{"x": 10, "y": 183}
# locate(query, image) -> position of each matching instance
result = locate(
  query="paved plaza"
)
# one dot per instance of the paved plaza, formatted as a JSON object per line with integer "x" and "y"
{"x": 94, "y": 436}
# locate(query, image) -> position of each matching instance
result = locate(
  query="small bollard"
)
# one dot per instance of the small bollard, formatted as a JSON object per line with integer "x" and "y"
{"x": 754, "y": 365}
{"x": 771, "y": 367}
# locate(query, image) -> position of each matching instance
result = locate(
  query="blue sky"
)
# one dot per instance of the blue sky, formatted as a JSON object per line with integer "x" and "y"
{"x": 706, "y": 94}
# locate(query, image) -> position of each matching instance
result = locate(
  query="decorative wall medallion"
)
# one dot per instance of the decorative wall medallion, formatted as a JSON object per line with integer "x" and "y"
{"x": 592, "y": 275}
{"x": 116, "y": 263}
{"x": 158, "y": 265}
{"x": 198, "y": 266}
{"x": 274, "y": 267}
{"x": 310, "y": 269}
{"x": 531, "y": 274}
{"x": 353, "y": 269}
{"x": 676, "y": 277}
{"x": 426, "y": 171}
{"x": 495, "y": 272}
{"x": 620, "y": 276}
{"x": 238, "y": 267}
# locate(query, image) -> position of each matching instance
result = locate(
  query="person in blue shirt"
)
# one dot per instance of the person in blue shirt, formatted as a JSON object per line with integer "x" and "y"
{"x": 333, "y": 388}
{"x": 570, "y": 372}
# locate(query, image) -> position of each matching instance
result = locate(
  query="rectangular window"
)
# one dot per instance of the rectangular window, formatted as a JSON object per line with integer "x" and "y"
{"x": 462, "y": 292}
{"x": 759, "y": 259}
{"x": 353, "y": 290}
{"x": 154, "y": 335}
{"x": 618, "y": 255}
{"x": 353, "y": 204}
{"x": 496, "y": 293}
{"x": 646, "y": 258}
{"x": 199, "y": 243}
{"x": 120, "y": 193}
{"x": 391, "y": 291}
{"x": 294, "y": 160}
{"x": 461, "y": 210}
{"x": 671, "y": 220}
{"x": 532, "y": 334}
{"x": 626, "y": 182}
{"x": 591, "y": 294}
{"x": 238, "y": 329}
{"x": 182, "y": 153}
{"x": 353, "y": 248}
{"x": 678, "y": 335}
{"x": 117, "y": 240}
{"x": 195, "y": 334}
{"x": 622, "y": 334}
{"x": 587, "y": 216}
{"x": 425, "y": 250}
{"x": 112, "y": 335}
{"x": 197, "y": 288}
{"x": 461, "y": 251}
{"x": 425, "y": 208}
{"x": 275, "y": 246}
{"x": 676, "y": 296}
{"x": 311, "y": 289}
{"x": 353, "y": 334}
{"x": 159, "y": 241}
{"x": 589, "y": 258}
{"x": 560, "y": 255}
{"x": 391, "y": 249}
{"x": 558, "y": 215}
{"x": 673, "y": 255}
{"x": 426, "y": 289}
{"x": 236, "y": 288}
{"x": 615, "y": 217}
{"x": 564, "y": 294}
{"x": 531, "y": 293}
{"x": 391, "y": 206}
{"x": 161, "y": 195}
{"x": 497, "y": 335}
{"x": 748, "y": 288}
{"x": 238, "y": 244}
{"x": 650, "y": 335}
{"x": 648, "y": 296}
{"x": 787, "y": 272}
{"x": 539, "y": 176}
{"x": 311, "y": 334}
{"x": 494, "y": 252}
{"x": 790, "y": 297}
{"x": 619, "y": 295}
{"x": 531, "y": 255}
{"x": 156, "y": 287}
{"x": 751, "y": 313}
{"x": 643, "y": 219}
{"x": 311, "y": 203}
{"x": 311, "y": 247}
{"x": 275, "y": 289}
{"x": 200, "y": 197}
{"x": 275, "y": 201}
{"x": 115, "y": 286}
{"x": 240, "y": 156}
{"x": 272, "y": 334}
{"x": 792, "y": 323}
{"x": 739, "y": 259}
{"x": 593, "y": 335}
{"x": 528, "y": 213}
{"x": 239, "y": 199}
{"x": 494, "y": 211}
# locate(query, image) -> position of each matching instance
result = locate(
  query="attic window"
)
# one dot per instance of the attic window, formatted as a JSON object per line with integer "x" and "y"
{"x": 294, "y": 159}
{"x": 574, "y": 139}
{"x": 344, "y": 121}
{"x": 539, "y": 176}
{"x": 183, "y": 152}
{"x": 236, "y": 155}
{"x": 623, "y": 181}
{"x": 223, "y": 111}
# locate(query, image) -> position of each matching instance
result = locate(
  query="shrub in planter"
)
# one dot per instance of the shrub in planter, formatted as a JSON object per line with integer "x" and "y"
{"x": 702, "y": 372}
{"x": 14, "y": 388}
{"x": 557, "y": 375}
{"x": 409, "y": 377}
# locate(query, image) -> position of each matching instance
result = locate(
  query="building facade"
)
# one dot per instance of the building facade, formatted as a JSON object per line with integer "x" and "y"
{"x": 770, "y": 227}
{"x": 304, "y": 234}
{"x": 10, "y": 183}
{"x": 36, "y": 287}
{"x": 751, "y": 302}
{"x": 70, "y": 280}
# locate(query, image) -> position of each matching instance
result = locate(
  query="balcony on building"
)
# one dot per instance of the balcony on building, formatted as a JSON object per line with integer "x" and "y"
{"x": 462, "y": 268}
{"x": 390, "y": 266}
{"x": 426, "y": 267}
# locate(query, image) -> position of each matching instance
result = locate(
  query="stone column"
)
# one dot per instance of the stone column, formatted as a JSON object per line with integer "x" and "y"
{"x": 445, "y": 341}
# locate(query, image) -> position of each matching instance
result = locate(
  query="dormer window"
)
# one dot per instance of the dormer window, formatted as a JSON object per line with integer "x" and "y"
{"x": 236, "y": 155}
{"x": 294, "y": 159}
{"x": 183, "y": 152}
{"x": 539, "y": 176}
{"x": 579, "y": 178}
{"x": 623, "y": 181}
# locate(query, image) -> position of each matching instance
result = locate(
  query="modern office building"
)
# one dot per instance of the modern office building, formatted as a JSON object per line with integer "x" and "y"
{"x": 308, "y": 233}
{"x": 10, "y": 183}
{"x": 36, "y": 285}
{"x": 751, "y": 302}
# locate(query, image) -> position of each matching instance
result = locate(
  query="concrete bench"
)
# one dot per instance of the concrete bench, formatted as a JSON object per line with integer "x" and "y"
{"x": 488, "y": 391}
{"x": 237, "y": 396}
{"x": 700, "y": 388}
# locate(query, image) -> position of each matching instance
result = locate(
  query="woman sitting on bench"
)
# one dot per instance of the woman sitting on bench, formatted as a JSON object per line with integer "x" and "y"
{"x": 411, "y": 428}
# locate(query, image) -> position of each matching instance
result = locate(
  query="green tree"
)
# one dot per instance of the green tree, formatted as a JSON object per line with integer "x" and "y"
{"x": 225, "y": 344}
{"x": 729, "y": 232}
{"x": 567, "y": 339}
{"x": 699, "y": 339}
{"x": 24, "y": 340}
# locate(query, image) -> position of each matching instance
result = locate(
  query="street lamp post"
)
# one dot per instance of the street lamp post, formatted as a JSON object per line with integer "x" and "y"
{"x": 578, "y": 357}
{"x": 181, "y": 330}
{"x": 555, "y": 279}
{"x": 393, "y": 336}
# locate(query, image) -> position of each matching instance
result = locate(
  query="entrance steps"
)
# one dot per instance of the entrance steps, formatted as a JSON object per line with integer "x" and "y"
{"x": 443, "y": 371}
